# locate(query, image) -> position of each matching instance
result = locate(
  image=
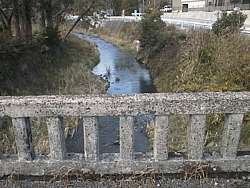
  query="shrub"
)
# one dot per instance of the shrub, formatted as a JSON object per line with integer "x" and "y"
{"x": 52, "y": 37}
{"x": 229, "y": 23}
{"x": 151, "y": 32}
{"x": 211, "y": 63}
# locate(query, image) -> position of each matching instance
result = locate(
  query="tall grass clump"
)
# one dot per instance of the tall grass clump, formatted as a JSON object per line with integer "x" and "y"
{"x": 217, "y": 60}
{"x": 40, "y": 69}
{"x": 229, "y": 23}
{"x": 119, "y": 33}
{"x": 155, "y": 35}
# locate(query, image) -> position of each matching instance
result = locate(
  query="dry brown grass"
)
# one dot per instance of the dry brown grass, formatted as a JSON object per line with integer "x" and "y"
{"x": 70, "y": 74}
{"x": 205, "y": 62}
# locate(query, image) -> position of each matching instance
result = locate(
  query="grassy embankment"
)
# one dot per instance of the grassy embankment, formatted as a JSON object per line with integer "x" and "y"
{"x": 206, "y": 62}
{"x": 40, "y": 69}
{"x": 120, "y": 34}
{"x": 193, "y": 62}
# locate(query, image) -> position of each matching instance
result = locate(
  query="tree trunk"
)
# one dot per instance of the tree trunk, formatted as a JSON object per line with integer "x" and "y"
{"x": 17, "y": 18}
{"x": 9, "y": 23}
{"x": 22, "y": 20}
{"x": 49, "y": 16}
{"x": 26, "y": 24}
{"x": 28, "y": 16}
{"x": 6, "y": 22}
{"x": 42, "y": 22}
{"x": 78, "y": 19}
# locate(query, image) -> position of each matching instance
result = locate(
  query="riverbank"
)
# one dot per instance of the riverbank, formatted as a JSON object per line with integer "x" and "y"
{"x": 63, "y": 69}
{"x": 44, "y": 70}
{"x": 199, "y": 61}
{"x": 122, "y": 35}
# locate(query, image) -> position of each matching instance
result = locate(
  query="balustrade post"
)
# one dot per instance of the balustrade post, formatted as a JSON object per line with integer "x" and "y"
{"x": 23, "y": 138}
{"x": 56, "y": 138}
{"x": 126, "y": 138}
{"x": 231, "y": 135}
{"x": 161, "y": 138}
{"x": 91, "y": 139}
{"x": 195, "y": 136}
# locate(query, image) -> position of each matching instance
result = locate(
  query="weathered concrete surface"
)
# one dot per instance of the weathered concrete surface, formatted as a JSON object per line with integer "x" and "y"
{"x": 91, "y": 139}
{"x": 103, "y": 105}
{"x": 234, "y": 105}
{"x": 202, "y": 15}
{"x": 126, "y": 138}
{"x": 56, "y": 138}
{"x": 53, "y": 167}
{"x": 23, "y": 137}
{"x": 195, "y": 136}
{"x": 161, "y": 138}
{"x": 231, "y": 135}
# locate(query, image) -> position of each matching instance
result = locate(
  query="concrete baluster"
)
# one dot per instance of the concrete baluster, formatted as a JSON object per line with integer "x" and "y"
{"x": 231, "y": 135}
{"x": 195, "y": 136}
{"x": 56, "y": 138}
{"x": 23, "y": 138}
{"x": 126, "y": 138}
{"x": 91, "y": 141}
{"x": 161, "y": 138}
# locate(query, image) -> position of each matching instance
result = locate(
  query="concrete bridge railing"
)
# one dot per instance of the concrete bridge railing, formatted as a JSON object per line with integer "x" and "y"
{"x": 54, "y": 108}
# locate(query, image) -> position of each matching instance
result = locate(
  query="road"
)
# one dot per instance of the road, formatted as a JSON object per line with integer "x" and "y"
{"x": 183, "y": 23}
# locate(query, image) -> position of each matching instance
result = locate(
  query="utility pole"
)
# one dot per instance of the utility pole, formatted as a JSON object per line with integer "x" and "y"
{"x": 139, "y": 6}
{"x": 143, "y": 6}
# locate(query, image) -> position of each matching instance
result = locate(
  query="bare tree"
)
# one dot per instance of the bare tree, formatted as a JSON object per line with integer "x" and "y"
{"x": 17, "y": 18}
{"x": 6, "y": 14}
{"x": 84, "y": 13}
{"x": 26, "y": 23}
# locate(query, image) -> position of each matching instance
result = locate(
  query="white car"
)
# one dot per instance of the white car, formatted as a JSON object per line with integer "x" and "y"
{"x": 236, "y": 9}
{"x": 167, "y": 8}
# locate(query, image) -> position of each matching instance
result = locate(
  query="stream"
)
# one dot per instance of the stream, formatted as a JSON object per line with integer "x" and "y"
{"x": 125, "y": 76}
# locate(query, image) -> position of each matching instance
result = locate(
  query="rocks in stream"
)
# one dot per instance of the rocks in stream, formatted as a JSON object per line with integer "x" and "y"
{"x": 117, "y": 79}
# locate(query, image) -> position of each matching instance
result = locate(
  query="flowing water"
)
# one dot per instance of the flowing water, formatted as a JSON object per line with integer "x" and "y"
{"x": 125, "y": 76}
{"x": 120, "y": 68}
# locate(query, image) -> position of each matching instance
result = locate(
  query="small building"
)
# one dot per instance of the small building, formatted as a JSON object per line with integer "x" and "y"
{"x": 187, "y": 5}
{"x": 192, "y": 4}
{"x": 208, "y": 5}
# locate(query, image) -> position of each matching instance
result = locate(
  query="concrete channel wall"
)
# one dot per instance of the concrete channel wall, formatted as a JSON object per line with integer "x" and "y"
{"x": 89, "y": 107}
{"x": 184, "y": 20}
{"x": 202, "y": 15}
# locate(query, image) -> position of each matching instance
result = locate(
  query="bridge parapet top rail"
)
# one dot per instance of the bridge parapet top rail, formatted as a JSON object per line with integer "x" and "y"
{"x": 89, "y": 107}
{"x": 101, "y": 105}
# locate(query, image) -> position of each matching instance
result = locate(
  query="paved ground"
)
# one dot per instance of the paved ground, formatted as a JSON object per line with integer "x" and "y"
{"x": 129, "y": 183}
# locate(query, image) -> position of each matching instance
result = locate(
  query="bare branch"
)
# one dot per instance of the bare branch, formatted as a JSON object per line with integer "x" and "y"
{"x": 4, "y": 16}
{"x": 10, "y": 17}
{"x": 59, "y": 13}
{"x": 79, "y": 18}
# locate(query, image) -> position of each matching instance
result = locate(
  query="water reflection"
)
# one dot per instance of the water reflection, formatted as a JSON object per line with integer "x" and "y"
{"x": 126, "y": 76}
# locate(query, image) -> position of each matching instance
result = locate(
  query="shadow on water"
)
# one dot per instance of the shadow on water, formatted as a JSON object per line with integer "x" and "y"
{"x": 126, "y": 76}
